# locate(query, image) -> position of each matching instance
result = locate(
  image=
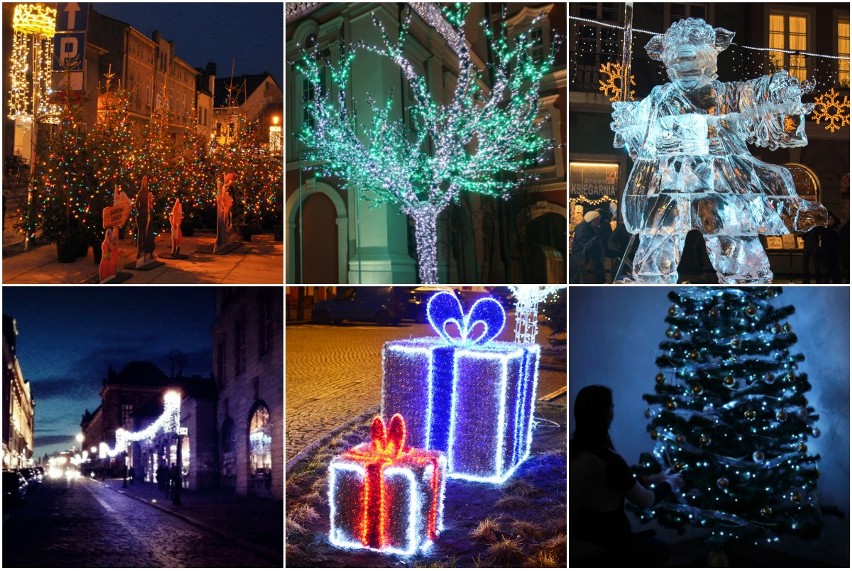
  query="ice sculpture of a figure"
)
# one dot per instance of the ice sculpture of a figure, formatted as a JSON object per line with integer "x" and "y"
{"x": 693, "y": 169}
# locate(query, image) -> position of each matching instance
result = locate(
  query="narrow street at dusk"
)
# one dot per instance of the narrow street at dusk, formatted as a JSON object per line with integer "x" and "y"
{"x": 84, "y": 523}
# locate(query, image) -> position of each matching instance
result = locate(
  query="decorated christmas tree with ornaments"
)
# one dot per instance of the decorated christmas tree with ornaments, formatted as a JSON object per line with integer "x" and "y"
{"x": 730, "y": 413}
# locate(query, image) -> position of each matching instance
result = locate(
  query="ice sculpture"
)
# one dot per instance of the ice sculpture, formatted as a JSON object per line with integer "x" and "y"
{"x": 693, "y": 169}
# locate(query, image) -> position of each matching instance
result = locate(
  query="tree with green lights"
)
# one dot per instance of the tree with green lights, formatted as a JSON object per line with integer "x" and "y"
{"x": 480, "y": 141}
{"x": 729, "y": 412}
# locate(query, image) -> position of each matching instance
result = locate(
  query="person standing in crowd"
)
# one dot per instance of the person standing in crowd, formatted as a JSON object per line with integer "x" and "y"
{"x": 586, "y": 259}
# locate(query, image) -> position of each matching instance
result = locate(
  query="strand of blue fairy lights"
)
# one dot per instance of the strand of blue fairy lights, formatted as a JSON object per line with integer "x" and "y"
{"x": 759, "y": 49}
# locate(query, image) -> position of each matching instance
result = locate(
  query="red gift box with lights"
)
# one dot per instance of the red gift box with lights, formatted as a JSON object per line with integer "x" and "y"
{"x": 385, "y": 495}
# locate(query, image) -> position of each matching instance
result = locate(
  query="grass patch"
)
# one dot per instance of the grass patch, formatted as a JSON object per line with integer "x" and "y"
{"x": 513, "y": 503}
{"x": 488, "y": 530}
{"x": 506, "y": 551}
{"x": 304, "y": 514}
{"x": 527, "y": 530}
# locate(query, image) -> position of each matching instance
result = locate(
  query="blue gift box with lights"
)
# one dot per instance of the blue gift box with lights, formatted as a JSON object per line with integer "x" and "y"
{"x": 462, "y": 392}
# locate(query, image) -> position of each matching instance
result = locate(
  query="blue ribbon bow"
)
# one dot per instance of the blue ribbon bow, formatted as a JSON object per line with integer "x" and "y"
{"x": 444, "y": 308}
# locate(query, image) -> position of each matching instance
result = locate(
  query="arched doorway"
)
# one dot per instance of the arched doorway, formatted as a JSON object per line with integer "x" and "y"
{"x": 545, "y": 243}
{"x": 260, "y": 451}
{"x": 316, "y": 244}
{"x": 320, "y": 245}
{"x": 228, "y": 446}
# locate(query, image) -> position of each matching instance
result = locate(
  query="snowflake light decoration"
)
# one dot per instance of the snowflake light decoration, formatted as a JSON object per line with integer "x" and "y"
{"x": 613, "y": 72}
{"x": 828, "y": 108}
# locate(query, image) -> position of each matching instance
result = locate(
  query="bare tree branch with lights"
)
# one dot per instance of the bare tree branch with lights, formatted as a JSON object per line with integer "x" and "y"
{"x": 483, "y": 140}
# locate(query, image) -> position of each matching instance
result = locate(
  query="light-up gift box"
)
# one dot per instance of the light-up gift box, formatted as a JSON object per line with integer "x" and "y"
{"x": 385, "y": 495}
{"x": 462, "y": 392}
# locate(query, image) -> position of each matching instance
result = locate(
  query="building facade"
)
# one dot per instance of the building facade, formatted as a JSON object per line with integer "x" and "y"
{"x": 18, "y": 405}
{"x": 247, "y": 102}
{"x": 336, "y": 236}
{"x": 148, "y": 68}
{"x": 598, "y": 172}
{"x": 123, "y": 393}
{"x": 249, "y": 371}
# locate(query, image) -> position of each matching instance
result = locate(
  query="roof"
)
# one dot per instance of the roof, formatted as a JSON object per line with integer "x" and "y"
{"x": 251, "y": 82}
{"x": 138, "y": 373}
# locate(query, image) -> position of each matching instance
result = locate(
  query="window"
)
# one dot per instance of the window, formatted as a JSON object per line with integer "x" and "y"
{"x": 260, "y": 443}
{"x": 229, "y": 450}
{"x": 679, "y": 12}
{"x": 266, "y": 323}
{"x": 537, "y": 37}
{"x": 843, "y": 51}
{"x": 547, "y": 157}
{"x": 220, "y": 363}
{"x": 126, "y": 411}
{"x": 598, "y": 45}
{"x": 308, "y": 96}
{"x": 788, "y": 31}
{"x": 239, "y": 347}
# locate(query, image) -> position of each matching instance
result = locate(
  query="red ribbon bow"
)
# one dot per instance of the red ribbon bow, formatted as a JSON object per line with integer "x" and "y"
{"x": 388, "y": 446}
{"x": 390, "y": 442}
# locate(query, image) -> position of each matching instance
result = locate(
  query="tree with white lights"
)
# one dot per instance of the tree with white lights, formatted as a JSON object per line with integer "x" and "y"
{"x": 481, "y": 141}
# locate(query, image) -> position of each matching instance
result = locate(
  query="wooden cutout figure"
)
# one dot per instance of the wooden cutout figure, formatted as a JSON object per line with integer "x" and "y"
{"x": 110, "y": 256}
{"x": 114, "y": 218}
{"x": 144, "y": 226}
{"x": 175, "y": 218}
{"x": 224, "y": 207}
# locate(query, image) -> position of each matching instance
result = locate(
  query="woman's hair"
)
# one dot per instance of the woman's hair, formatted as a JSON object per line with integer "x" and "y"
{"x": 591, "y": 417}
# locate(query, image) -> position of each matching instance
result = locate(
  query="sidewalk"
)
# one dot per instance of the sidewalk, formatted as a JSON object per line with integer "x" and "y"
{"x": 255, "y": 523}
{"x": 260, "y": 261}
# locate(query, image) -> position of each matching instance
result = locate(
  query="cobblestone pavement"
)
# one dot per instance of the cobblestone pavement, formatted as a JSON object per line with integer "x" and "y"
{"x": 85, "y": 524}
{"x": 334, "y": 373}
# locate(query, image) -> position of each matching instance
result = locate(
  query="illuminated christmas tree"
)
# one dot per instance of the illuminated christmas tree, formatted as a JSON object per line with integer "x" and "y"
{"x": 196, "y": 180}
{"x": 111, "y": 152}
{"x": 157, "y": 158}
{"x": 729, "y": 412}
{"x": 260, "y": 174}
{"x": 479, "y": 141}
{"x": 61, "y": 188}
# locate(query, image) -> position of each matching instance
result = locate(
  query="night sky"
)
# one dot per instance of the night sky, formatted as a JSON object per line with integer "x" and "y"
{"x": 613, "y": 338}
{"x": 218, "y": 32}
{"x": 69, "y": 336}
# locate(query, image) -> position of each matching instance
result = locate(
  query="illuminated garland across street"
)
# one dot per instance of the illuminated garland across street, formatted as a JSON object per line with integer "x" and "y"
{"x": 466, "y": 394}
{"x": 480, "y": 141}
{"x": 167, "y": 423}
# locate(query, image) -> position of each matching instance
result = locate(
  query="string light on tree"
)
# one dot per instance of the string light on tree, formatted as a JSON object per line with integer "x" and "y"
{"x": 741, "y": 441}
{"x": 479, "y": 142}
